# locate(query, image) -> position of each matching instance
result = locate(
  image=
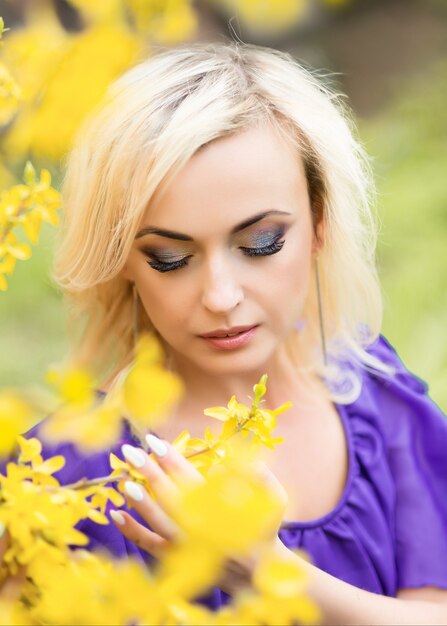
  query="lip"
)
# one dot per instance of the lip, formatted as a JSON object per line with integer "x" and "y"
{"x": 227, "y": 331}
{"x": 219, "y": 339}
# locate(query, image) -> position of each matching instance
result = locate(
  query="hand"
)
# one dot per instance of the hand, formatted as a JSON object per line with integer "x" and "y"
{"x": 166, "y": 476}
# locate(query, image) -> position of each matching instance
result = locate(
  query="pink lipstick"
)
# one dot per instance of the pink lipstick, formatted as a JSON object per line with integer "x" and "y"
{"x": 230, "y": 338}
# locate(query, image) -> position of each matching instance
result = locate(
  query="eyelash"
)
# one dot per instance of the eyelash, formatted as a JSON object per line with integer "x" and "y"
{"x": 272, "y": 248}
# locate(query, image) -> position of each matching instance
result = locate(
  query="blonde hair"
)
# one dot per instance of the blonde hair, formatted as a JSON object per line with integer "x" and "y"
{"x": 154, "y": 119}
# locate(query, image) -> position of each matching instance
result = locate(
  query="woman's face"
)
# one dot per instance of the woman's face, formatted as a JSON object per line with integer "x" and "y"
{"x": 222, "y": 258}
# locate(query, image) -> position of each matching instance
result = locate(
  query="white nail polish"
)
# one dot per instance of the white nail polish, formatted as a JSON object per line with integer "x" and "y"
{"x": 134, "y": 490}
{"x": 156, "y": 445}
{"x": 2, "y": 529}
{"x": 133, "y": 455}
{"x": 117, "y": 517}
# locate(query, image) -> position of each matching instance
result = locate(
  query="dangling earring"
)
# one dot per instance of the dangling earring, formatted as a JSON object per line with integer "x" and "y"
{"x": 343, "y": 383}
{"x": 136, "y": 310}
{"x": 320, "y": 313}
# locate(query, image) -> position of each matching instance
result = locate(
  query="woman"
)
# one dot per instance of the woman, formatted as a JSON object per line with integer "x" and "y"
{"x": 220, "y": 200}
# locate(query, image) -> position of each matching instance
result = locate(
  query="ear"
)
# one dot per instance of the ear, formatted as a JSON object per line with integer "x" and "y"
{"x": 318, "y": 238}
{"x": 126, "y": 274}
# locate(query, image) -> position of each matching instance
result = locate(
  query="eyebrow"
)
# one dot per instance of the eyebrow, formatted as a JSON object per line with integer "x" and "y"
{"x": 150, "y": 230}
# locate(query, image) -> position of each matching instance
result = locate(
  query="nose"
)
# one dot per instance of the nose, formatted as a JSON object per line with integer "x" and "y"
{"x": 221, "y": 290}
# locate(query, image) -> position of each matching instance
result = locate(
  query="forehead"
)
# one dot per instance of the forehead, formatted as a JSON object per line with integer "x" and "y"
{"x": 229, "y": 180}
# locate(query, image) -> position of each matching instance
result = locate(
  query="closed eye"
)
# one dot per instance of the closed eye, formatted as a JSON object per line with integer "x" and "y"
{"x": 168, "y": 266}
{"x": 272, "y": 248}
{"x": 267, "y": 244}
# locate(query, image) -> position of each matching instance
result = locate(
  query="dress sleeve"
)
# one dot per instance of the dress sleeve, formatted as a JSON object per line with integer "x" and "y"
{"x": 415, "y": 430}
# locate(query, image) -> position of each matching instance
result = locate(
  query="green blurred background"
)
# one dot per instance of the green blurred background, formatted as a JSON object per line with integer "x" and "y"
{"x": 390, "y": 58}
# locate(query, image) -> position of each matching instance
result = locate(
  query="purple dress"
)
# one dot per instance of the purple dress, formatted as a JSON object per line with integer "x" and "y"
{"x": 389, "y": 528}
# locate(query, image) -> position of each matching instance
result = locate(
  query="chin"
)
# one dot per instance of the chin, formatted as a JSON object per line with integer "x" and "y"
{"x": 236, "y": 362}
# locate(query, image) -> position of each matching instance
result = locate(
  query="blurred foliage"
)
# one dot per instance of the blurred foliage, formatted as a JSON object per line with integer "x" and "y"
{"x": 409, "y": 145}
{"x": 41, "y": 515}
{"x": 9, "y": 90}
{"x": 27, "y": 205}
{"x": 32, "y": 331}
{"x": 64, "y": 74}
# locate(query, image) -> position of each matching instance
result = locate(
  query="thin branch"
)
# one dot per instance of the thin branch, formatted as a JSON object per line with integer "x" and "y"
{"x": 238, "y": 429}
{"x": 12, "y": 223}
{"x": 84, "y": 482}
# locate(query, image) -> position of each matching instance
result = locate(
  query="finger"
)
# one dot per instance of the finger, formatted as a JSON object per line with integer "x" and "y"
{"x": 173, "y": 462}
{"x": 162, "y": 485}
{"x": 235, "y": 576}
{"x": 12, "y": 586}
{"x": 146, "y": 539}
{"x": 150, "y": 511}
{"x": 3, "y": 540}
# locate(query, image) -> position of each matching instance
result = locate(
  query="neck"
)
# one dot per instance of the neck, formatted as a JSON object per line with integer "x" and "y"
{"x": 206, "y": 389}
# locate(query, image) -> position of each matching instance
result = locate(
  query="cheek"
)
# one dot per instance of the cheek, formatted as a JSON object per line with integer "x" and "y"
{"x": 287, "y": 284}
{"x": 161, "y": 309}
{"x": 290, "y": 275}
{"x": 165, "y": 301}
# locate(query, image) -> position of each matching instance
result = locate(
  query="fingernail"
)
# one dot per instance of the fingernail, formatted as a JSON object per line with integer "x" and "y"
{"x": 134, "y": 490}
{"x": 156, "y": 445}
{"x": 2, "y": 529}
{"x": 117, "y": 518}
{"x": 133, "y": 455}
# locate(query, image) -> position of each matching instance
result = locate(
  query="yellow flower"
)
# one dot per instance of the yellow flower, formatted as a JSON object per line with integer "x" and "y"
{"x": 83, "y": 417}
{"x": 145, "y": 394}
{"x": 102, "y": 494}
{"x": 29, "y": 205}
{"x": 336, "y": 3}
{"x": 44, "y": 200}
{"x": 6, "y": 611}
{"x": 231, "y": 511}
{"x": 268, "y": 15}
{"x": 103, "y": 587}
{"x": 184, "y": 612}
{"x": 280, "y": 577}
{"x": 91, "y": 427}
{"x": 234, "y": 411}
{"x": 35, "y": 525}
{"x": 100, "y": 10}
{"x": 31, "y": 50}
{"x": 272, "y": 611}
{"x": 15, "y": 417}
{"x": 254, "y": 422}
{"x": 122, "y": 468}
{"x": 149, "y": 390}
{"x": 39, "y": 514}
{"x": 202, "y": 453}
{"x": 9, "y": 95}
{"x": 30, "y": 450}
{"x": 72, "y": 385}
{"x": 188, "y": 569}
{"x": 61, "y": 85}
{"x": 227, "y": 515}
{"x": 165, "y": 21}
{"x": 11, "y": 246}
